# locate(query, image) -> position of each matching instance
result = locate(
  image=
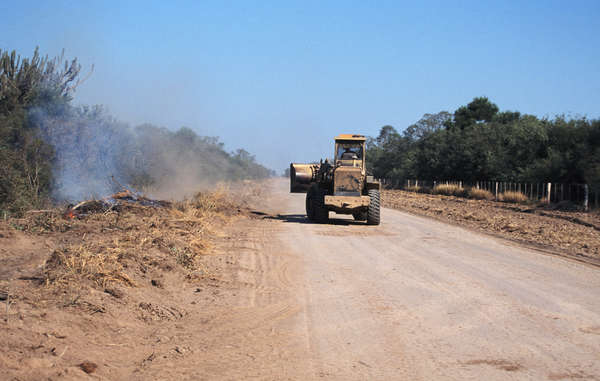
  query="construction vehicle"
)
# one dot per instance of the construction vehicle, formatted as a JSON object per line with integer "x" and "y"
{"x": 342, "y": 187}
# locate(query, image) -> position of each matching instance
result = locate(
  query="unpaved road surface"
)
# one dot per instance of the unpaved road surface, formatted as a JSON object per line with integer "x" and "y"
{"x": 285, "y": 299}
{"x": 410, "y": 299}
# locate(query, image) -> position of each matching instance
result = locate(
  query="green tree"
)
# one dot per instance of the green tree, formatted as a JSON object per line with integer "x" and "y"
{"x": 479, "y": 110}
{"x": 482, "y": 143}
{"x": 29, "y": 85}
{"x": 427, "y": 125}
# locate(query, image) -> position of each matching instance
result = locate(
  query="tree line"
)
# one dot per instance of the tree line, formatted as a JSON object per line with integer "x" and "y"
{"x": 52, "y": 150}
{"x": 479, "y": 142}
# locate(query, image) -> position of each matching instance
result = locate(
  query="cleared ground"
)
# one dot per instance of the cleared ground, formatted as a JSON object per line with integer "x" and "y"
{"x": 290, "y": 300}
{"x": 573, "y": 233}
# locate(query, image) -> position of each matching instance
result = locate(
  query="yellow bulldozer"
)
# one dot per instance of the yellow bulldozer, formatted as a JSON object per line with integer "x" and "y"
{"x": 342, "y": 186}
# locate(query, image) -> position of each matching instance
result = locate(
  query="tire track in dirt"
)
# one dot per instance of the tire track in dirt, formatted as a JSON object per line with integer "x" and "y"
{"x": 410, "y": 299}
{"x": 256, "y": 326}
{"x": 420, "y": 299}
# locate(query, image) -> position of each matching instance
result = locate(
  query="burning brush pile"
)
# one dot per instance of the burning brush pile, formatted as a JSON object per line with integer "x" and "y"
{"x": 121, "y": 240}
{"x": 115, "y": 202}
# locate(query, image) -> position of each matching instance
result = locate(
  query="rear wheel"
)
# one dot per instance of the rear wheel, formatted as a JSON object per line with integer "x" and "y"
{"x": 374, "y": 207}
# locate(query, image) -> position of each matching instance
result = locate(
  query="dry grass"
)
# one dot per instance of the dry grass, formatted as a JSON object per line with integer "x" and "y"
{"x": 103, "y": 266}
{"x": 510, "y": 196}
{"x": 207, "y": 204}
{"x": 449, "y": 190}
{"x": 43, "y": 221}
{"x": 141, "y": 237}
{"x": 413, "y": 188}
{"x": 480, "y": 194}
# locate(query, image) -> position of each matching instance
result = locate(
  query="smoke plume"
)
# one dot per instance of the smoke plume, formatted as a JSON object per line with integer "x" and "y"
{"x": 96, "y": 155}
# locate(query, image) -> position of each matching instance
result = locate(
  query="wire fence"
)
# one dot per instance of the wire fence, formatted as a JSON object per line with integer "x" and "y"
{"x": 580, "y": 194}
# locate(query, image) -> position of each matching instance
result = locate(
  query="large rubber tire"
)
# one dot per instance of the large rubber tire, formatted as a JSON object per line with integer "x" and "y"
{"x": 373, "y": 212}
{"x": 360, "y": 216}
{"x": 316, "y": 205}
{"x": 310, "y": 211}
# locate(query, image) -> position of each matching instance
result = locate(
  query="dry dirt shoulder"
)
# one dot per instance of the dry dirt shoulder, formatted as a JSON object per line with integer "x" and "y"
{"x": 571, "y": 234}
{"x": 127, "y": 295}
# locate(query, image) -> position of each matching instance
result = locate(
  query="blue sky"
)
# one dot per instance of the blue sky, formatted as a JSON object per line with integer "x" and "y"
{"x": 281, "y": 79}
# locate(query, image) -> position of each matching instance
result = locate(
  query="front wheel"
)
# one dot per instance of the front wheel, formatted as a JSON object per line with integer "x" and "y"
{"x": 310, "y": 210}
{"x": 373, "y": 212}
{"x": 315, "y": 205}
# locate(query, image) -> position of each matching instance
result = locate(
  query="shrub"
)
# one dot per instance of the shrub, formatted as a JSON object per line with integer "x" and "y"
{"x": 511, "y": 196}
{"x": 480, "y": 194}
{"x": 449, "y": 190}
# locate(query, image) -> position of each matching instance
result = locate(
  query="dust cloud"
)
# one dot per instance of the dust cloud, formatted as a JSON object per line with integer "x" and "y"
{"x": 95, "y": 155}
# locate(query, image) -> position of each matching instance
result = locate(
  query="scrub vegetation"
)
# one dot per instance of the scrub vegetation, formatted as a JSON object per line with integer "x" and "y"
{"x": 479, "y": 142}
{"x": 52, "y": 150}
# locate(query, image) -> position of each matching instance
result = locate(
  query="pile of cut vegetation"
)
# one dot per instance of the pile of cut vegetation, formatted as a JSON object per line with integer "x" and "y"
{"x": 69, "y": 276}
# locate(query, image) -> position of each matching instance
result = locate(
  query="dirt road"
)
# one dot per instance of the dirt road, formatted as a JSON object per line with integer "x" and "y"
{"x": 284, "y": 299}
{"x": 410, "y": 299}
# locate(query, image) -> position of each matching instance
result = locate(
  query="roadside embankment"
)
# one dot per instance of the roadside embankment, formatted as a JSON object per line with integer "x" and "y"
{"x": 569, "y": 233}
{"x": 87, "y": 289}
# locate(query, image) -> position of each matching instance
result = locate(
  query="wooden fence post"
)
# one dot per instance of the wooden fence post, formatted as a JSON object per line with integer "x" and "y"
{"x": 586, "y": 195}
{"x": 496, "y": 191}
{"x": 549, "y": 186}
{"x": 543, "y": 195}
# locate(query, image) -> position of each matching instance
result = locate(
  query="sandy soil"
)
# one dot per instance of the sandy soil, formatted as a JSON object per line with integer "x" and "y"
{"x": 568, "y": 233}
{"x": 284, "y": 299}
